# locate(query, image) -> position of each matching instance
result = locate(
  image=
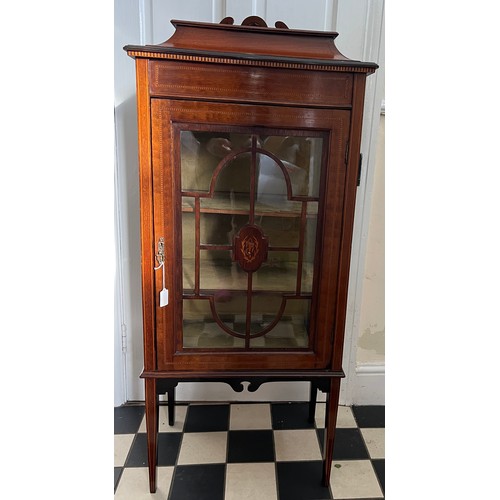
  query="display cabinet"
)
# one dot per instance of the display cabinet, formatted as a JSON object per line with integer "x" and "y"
{"x": 249, "y": 140}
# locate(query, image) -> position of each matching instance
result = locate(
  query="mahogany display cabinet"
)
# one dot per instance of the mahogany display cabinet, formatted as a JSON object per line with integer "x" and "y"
{"x": 249, "y": 149}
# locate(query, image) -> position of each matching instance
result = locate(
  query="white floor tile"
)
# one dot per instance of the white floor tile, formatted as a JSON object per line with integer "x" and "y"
{"x": 251, "y": 481}
{"x": 134, "y": 484}
{"x": 203, "y": 448}
{"x": 375, "y": 441}
{"x": 122, "y": 447}
{"x": 320, "y": 415}
{"x": 345, "y": 418}
{"x": 301, "y": 444}
{"x": 354, "y": 479}
{"x": 250, "y": 416}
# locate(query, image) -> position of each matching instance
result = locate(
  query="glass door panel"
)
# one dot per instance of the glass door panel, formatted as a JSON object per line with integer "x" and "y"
{"x": 200, "y": 330}
{"x": 219, "y": 273}
{"x": 201, "y": 153}
{"x": 188, "y": 252}
{"x": 249, "y": 221}
{"x": 282, "y": 231}
{"x": 291, "y": 331}
{"x": 302, "y": 158}
{"x": 220, "y": 229}
{"x": 278, "y": 273}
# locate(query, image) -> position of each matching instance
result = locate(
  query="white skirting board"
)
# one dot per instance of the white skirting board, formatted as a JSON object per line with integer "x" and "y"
{"x": 369, "y": 385}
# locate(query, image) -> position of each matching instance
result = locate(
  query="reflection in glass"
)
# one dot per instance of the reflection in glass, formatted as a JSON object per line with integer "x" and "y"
{"x": 201, "y": 152}
{"x": 200, "y": 329}
{"x": 215, "y": 233}
{"x": 188, "y": 252}
{"x": 219, "y": 273}
{"x": 281, "y": 231}
{"x": 302, "y": 159}
{"x": 271, "y": 190}
{"x": 292, "y": 329}
{"x": 279, "y": 273}
{"x": 309, "y": 251}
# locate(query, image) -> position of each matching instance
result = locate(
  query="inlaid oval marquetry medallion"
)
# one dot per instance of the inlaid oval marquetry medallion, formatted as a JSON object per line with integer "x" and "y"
{"x": 250, "y": 248}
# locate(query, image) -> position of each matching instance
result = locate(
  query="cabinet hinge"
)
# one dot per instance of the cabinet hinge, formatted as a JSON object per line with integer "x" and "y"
{"x": 124, "y": 337}
{"x": 358, "y": 182}
{"x": 346, "y": 158}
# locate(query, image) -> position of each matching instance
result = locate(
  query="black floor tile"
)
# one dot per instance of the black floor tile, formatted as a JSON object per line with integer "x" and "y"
{"x": 128, "y": 419}
{"x": 118, "y": 473}
{"x": 369, "y": 416}
{"x": 379, "y": 466}
{"x": 348, "y": 444}
{"x": 290, "y": 416}
{"x": 198, "y": 482}
{"x": 301, "y": 481}
{"x": 321, "y": 438}
{"x": 250, "y": 446}
{"x": 207, "y": 418}
{"x": 168, "y": 449}
{"x": 138, "y": 454}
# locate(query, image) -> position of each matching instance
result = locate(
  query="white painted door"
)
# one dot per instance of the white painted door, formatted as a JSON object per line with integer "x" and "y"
{"x": 360, "y": 24}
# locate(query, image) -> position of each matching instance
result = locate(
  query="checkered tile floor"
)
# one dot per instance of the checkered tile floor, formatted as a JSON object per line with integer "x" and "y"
{"x": 250, "y": 451}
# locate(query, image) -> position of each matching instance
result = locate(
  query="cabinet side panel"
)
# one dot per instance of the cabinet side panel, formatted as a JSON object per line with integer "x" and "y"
{"x": 146, "y": 197}
{"x": 348, "y": 220}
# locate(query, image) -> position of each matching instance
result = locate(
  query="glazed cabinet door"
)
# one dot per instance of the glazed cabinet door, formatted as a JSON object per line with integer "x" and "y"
{"x": 248, "y": 202}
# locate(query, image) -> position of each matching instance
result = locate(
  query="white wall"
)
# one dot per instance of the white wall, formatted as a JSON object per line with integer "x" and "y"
{"x": 371, "y": 341}
{"x": 359, "y": 23}
{"x": 369, "y": 380}
{"x": 365, "y": 373}
{"x": 128, "y": 308}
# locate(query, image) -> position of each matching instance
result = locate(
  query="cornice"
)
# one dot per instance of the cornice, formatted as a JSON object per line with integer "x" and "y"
{"x": 151, "y": 52}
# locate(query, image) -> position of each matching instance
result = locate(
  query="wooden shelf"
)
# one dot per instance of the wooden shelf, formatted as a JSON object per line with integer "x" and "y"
{"x": 268, "y": 206}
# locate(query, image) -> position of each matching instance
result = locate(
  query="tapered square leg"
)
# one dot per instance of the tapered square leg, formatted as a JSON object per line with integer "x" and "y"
{"x": 332, "y": 403}
{"x": 312, "y": 401}
{"x": 152, "y": 430}
{"x": 171, "y": 405}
